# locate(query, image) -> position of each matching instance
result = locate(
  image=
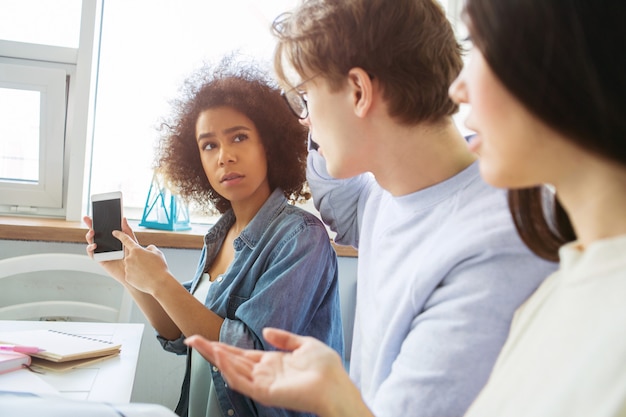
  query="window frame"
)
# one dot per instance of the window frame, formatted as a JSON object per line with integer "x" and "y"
{"x": 71, "y": 171}
{"x": 50, "y": 83}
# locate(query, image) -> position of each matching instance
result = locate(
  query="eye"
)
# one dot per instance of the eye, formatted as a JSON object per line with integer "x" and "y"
{"x": 207, "y": 146}
{"x": 240, "y": 137}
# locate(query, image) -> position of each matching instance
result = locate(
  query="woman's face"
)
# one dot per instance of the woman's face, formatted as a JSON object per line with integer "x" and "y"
{"x": 233, "y": 156}
{"x": 516, "y": 149}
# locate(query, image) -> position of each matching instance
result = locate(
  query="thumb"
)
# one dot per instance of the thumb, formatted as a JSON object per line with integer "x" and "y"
{"x": 282, "y": 339}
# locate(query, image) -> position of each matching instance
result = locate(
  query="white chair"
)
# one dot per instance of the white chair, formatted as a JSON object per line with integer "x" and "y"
{"x": 60, "y": 286}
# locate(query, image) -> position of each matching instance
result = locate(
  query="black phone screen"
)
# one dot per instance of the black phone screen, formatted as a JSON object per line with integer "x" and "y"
{"x": 107, "y": 216}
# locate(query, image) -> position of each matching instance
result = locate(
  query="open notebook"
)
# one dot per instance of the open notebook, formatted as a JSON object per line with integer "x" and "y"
{"x": 61, "y": 347}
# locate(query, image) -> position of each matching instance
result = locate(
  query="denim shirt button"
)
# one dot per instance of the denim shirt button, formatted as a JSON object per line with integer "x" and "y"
{"x": 215, "y": 369}
{"x": 231, "y": 412}
{"x": 220, "y": 278}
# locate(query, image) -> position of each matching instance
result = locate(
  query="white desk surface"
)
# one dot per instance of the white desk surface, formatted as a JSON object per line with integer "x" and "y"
{"x": 109, "y": 381}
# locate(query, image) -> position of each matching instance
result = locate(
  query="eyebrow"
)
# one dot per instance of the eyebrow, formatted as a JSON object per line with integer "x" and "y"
{"x": 225, "y": 132}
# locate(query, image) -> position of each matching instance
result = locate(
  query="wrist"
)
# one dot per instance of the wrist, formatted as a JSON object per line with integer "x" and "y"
{"x": 161, "y": 285}
{"x": 344, "y": 399}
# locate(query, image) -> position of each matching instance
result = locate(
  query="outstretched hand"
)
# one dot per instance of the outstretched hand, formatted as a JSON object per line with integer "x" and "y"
{"x": 308, "y": 376}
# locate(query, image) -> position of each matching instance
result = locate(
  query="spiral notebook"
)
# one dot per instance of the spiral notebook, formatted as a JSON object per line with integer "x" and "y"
{"x": 60, "y": 346}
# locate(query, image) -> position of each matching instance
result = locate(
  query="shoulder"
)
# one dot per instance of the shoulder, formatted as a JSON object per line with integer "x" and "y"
{"x": 299, "y": 233}
{"x": 299, "y": 220}
{"x": 481, "y": 207}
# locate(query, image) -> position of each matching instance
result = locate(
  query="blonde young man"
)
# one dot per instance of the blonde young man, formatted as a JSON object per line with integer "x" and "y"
{"x": 441, "y": 268}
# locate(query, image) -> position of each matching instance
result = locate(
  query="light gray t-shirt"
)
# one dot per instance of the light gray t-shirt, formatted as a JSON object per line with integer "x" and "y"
{"x": 440, "y": 274}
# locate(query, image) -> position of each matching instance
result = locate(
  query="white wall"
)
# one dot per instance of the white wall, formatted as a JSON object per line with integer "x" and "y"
{"x": 159, "y": 373}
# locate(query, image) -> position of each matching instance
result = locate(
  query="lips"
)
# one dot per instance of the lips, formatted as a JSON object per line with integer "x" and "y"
{"x": 231, "y": 176}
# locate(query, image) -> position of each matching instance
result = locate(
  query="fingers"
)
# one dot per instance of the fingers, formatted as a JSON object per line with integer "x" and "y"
{"x": 126, "y": 240}
{"x": 208, "y": 348}
{"x": 90, "y": 233}
{"x": 282, "y": 339}
{"x": 128, "y": 230}
{"x": 237, "y": 370}
{"x": 236, "y": 364}
{"x": 153, "y": 249}
{"x": 91, "y": 246}
{"x": 203, "y": 346}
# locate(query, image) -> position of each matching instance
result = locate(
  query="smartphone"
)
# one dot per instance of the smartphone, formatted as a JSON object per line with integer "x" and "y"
{"x": 106, "y": 212}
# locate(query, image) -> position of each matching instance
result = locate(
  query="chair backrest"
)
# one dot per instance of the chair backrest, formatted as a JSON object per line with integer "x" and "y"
{"x": 60, "y": 286}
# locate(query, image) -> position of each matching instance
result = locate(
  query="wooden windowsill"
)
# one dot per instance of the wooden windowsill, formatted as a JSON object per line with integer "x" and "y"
{"x": 57, "y": 230}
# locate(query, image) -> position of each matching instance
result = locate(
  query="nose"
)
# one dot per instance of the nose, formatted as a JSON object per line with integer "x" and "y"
{"x": 226, "y": 155}
{"x": 458, "y": 90}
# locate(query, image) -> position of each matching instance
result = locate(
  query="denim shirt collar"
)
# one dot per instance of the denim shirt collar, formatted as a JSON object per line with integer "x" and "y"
{"x": 252, "y": 233}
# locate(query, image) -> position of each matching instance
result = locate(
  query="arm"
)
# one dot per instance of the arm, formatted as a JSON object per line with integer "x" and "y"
{"x": 167, "y": 305}
{"x": 338, "y": 200}
{"x": 308, "y": 376}
{"x": 171, "y": 309}
{"x": 117, "y": 269}
{"x": 447, "y": 355}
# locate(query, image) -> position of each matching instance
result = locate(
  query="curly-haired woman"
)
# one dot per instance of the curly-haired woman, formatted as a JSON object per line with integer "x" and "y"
{"x": 233, "y": 145}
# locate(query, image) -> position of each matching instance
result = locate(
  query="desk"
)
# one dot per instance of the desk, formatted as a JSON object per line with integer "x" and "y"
{"x": 108, "y": 381}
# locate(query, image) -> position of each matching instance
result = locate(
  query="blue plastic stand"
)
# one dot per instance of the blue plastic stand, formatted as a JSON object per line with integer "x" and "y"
{"x": 164, "y": 210}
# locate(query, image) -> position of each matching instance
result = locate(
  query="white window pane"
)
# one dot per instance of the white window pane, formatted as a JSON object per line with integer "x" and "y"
{"x": 32, "y": 115}
{"x": 46, "y": 22}
{"x": 19, "y": 135}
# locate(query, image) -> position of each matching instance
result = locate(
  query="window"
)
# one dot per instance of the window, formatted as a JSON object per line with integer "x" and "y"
{"x": 453, "y": 10}
{"x": 32, "y": 106}
{"x": 45, "y": 78}
{"x": 147, "y": 50}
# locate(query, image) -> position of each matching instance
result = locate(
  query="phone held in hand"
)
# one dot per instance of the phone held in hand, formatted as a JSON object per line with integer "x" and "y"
{"x": 106, "y": 212}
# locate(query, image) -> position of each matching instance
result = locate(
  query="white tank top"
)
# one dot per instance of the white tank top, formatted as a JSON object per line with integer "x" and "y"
{"x": 202, "y": 396}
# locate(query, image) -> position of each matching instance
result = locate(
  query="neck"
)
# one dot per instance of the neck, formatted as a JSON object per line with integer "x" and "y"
{"x": 245, "y": 211}
{"x": 594, "y": 196}
{"x": 412, "y": 158}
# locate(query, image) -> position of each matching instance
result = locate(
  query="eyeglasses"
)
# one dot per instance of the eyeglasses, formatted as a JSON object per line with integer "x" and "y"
{"x": 297, "y": 100}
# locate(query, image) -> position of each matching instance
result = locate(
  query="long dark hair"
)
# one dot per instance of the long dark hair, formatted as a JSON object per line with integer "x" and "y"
{"x": 566, "y": 65}
{"x": 540, "y": 220}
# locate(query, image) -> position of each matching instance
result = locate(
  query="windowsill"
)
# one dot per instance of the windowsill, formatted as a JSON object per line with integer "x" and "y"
{"x": 57, "y": 230}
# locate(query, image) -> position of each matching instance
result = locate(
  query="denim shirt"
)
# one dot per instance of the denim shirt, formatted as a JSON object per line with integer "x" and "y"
{"x": 284, "y": 275}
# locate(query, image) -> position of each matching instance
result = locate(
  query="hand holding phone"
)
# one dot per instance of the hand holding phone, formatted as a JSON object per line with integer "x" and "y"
{"x": 107, "y": 216}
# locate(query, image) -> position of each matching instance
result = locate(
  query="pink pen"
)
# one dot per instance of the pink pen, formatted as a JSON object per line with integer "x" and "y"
{"x": 20, "y": 349}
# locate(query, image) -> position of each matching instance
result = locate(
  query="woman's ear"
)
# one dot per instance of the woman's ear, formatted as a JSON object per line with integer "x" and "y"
{"x": 361, "y": 91}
